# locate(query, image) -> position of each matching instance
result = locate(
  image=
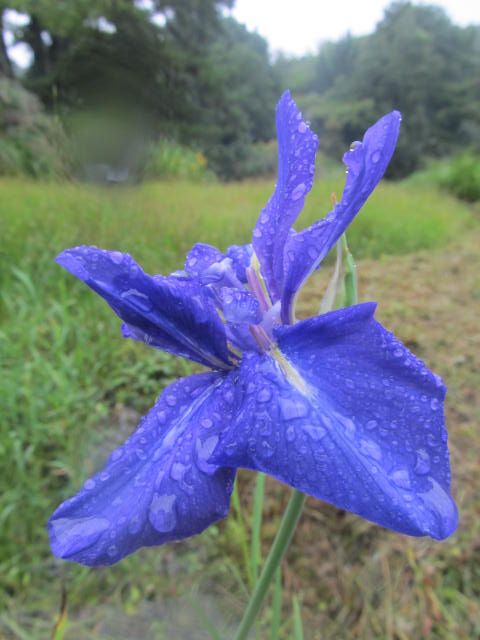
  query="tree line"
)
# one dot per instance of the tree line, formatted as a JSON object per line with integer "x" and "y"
{"x": 183, "y": 70}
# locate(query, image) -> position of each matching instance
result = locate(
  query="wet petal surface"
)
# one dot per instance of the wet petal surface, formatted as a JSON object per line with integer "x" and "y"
{"x": 297, "y": 146}
{"x": 170, "y": 313}
{"x": 159, "y": 485}
{"x": 345, "y": 413}
{"x": 366, "y": 163}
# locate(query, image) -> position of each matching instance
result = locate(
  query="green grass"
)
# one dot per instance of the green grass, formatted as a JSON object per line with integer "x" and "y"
{"x": 63, "y": 365}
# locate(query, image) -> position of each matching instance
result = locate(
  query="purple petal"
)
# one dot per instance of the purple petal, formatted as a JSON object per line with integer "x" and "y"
{"x": 239, "y": 305}
{"x": 297, "y": 146}
{"x": 345, "y": 413}
{"x": 170, "y": 313}
{"x": 366, "y": 163}
{"x": 240, "y": 255}
{"x": 159, "y": 485}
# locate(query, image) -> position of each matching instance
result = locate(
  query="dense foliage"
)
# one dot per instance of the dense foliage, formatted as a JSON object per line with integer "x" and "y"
{"x": 177, "y": 70}
{"x": 416, "y": 61}
{"x": 182, "y": 71}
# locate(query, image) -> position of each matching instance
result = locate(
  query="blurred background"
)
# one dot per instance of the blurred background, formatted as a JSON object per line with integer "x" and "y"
{"x": 146, "y": 126}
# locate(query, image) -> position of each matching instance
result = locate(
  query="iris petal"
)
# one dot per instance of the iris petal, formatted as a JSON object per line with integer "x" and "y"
{"x": 366, "y": 163}
{"x": 158, "y": 486}
{"x": 170, "y": 313}
{"x": 297, "y": 146}
{"x": 344, "y": 412}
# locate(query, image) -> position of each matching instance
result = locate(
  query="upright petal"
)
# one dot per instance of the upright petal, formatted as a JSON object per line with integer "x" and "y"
{"x": 158, "y": 486}
{"x": 297, "y": 146}
{"x": 344, "y": 412}
{"x": 170, "y": 313}
{"x": 366, "y": 163}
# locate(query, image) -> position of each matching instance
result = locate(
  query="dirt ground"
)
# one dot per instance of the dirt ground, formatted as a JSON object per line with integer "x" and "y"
{"x": 357, "y": 580}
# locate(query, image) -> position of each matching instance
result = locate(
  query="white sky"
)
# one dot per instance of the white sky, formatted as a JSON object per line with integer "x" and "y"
{"x": 298, "y": 26}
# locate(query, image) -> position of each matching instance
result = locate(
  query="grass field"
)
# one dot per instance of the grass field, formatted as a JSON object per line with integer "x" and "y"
{"x": 70, "y": 387}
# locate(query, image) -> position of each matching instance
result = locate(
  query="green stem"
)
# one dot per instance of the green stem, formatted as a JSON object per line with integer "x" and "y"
{"x": 277, "y": 551}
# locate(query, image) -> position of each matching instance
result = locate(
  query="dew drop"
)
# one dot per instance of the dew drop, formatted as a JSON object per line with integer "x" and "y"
{"x": 116, "y": 257}
{"x": 422, "y": 465}
{"x": 401, "y": 478}
{"x": 371, "y": 449}
{"x": 434, "y": 404}
{"x": 89, "y": 484}
{"x": 371, "y": 425}
{"x": 302, "y": 127}
{"x": 290, "y": 434}
{"x": 162, "y": 513}
{"x": 134, "y": 525}
{"x": 298, "y": 192}
{"x": 292, "y": 409}
{"x": 177, "y": 471}
{"x": 316, "y": 432}
{"x": 112, "y": 550}
{"x": 375, "y": 157}
{"x": 264, "y": 395}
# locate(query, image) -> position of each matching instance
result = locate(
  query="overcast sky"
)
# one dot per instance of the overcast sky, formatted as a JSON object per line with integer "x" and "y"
{"x": 297, "y": 26}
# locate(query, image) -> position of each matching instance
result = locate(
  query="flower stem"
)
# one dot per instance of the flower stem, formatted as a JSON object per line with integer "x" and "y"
{"x": 277, "y": 551}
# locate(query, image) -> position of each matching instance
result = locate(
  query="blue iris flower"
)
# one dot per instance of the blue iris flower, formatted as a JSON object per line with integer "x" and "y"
{"x": 334, "y": 405}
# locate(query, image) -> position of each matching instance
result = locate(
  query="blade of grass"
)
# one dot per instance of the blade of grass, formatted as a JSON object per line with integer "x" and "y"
{"x": 237, "y": 509}
{"x": 276, "y": 604}
{"x": 258, "y": 496}
{"x": 297, "y": 620}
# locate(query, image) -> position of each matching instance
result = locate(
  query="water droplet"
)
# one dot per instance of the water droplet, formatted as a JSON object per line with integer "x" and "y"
{"x": 290, "y": 434}
{"x": 422, "y": 465}
{"x": 206, "y": 423}
{"x": 116, "y": 257}
{"x": 316, "y": 432}
{"x": 112, "y": 550}
{"x": 117, "y": 454}
{"x": 264, "y": 395}
{"x": 267, "y": 449}
{"x": 257, "y": 233}
{"x": 162, "y": 513}
{"x": 104, "y": 476}
{"x": 401, "y": 478}
{"x": 298, "y": 192}
{"x": 302, "y": 127}
{"x": 292, "y": 409}
{"x": 89, "y": 484}
{"x": 434, "y": 404}
{"x": 375, "y": 157}
{"x": 134, "y": 525}
{"x": 138, "y": 298}
{"x": 371, "y": 424}
{"x": 171, "y": 400}
{"x": 371, "y": 449}
{"x": 177, "y": 471}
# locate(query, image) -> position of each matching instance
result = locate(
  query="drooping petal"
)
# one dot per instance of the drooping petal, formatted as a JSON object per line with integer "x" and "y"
{"x": 170, "y": 313}
{"x": 158, "y": 486}
{"x": 366, "y": 163}
{"x": 344, "y": 412}
{"x": 297, "y": 146}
